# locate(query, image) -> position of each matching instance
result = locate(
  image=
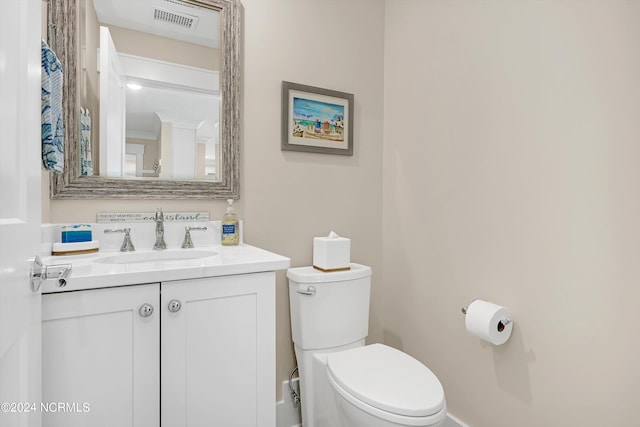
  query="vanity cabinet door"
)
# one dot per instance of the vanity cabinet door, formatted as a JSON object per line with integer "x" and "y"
{"x": 218, "y": 351}
{"x": 100, "y": 357}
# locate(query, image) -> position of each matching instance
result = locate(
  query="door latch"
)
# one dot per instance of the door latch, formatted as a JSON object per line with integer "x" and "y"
{"x": 40, "y": 272}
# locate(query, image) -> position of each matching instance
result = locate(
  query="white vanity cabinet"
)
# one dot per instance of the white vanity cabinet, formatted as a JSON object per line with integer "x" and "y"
{"x": 218, "y": 351}
{"x": 100, "y": 357}
{"x": 205, "y": 356}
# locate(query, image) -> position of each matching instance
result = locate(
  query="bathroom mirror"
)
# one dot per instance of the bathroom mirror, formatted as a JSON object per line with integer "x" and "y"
{"x": 153, "y": 142}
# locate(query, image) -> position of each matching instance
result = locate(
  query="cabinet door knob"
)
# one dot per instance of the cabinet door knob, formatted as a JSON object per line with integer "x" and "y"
{"x": 174, "y": 305}
{"x": 145, "y": 310}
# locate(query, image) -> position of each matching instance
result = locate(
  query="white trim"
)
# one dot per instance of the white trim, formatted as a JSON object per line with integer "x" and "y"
{"x": 452, "y": 421}
{"x": 136, "y": 150}
{"x": 170, "y": 74}
{"x": 288, "y": 415}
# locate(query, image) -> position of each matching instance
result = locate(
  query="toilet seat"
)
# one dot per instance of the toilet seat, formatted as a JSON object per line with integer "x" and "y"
{"x": 388, "y": 383}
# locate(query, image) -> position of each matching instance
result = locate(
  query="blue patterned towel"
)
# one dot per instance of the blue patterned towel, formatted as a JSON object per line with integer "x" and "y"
{"x": 52, "y": 123}
{"x": 86, "y": 161}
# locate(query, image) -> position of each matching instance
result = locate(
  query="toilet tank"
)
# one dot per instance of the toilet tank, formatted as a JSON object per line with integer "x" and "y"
{"x": 329, "y": 309}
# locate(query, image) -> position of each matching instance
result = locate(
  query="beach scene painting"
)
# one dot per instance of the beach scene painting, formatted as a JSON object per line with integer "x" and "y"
{"x": 316, "y": 120}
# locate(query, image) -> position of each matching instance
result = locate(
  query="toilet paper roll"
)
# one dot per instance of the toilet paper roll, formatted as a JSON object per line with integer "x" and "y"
{"x": 491, "y": 322}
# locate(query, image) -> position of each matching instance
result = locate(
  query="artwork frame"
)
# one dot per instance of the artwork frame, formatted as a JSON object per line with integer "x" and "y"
{"x": 316, "y": 120}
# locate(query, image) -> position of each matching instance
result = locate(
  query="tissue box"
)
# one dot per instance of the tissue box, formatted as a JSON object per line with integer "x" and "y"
{"x": 331, "y": 253}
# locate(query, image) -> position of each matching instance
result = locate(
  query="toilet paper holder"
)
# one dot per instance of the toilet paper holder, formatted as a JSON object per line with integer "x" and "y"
{"x": 501, "y": 324}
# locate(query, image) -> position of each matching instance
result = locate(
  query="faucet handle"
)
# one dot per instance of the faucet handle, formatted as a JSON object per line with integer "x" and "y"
{"x": 188, "y": 243}
{"x": 127, "y": 245}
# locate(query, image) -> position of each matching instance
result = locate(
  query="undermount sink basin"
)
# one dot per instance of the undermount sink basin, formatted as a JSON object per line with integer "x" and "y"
{"x": 156, "y": 256}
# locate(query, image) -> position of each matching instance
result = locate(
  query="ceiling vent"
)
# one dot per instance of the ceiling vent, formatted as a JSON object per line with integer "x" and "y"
{"x": 175, "y": 18}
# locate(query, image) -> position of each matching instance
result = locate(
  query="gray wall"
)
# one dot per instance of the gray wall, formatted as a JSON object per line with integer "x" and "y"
{"x": 511, "y": 147}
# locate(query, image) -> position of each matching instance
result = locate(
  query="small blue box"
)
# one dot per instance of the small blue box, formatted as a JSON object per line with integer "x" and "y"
{"x": 76, "y": 233}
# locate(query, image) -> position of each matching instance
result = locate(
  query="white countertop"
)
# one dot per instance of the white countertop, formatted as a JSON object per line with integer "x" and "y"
{"x": 88, "y": 274}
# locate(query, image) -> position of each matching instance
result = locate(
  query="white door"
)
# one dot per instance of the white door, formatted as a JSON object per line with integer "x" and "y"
{"x": 218, "y": 351}
{"x": 113, "y": 101}
{"x": 100, "y": 354}
{"x": 20, "y": 180}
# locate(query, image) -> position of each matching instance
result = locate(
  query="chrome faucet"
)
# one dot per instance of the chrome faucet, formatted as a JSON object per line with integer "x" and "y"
{"x": 127, "y": 245}
{"x": 188, "y": 243}
{"x": 160, "y": 244}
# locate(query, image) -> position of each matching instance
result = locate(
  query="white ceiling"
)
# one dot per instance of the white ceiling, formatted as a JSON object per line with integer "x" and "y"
{"x": 139, "y": 15}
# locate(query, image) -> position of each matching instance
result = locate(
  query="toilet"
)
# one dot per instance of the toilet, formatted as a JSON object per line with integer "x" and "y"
{"x": 344, "y": 383}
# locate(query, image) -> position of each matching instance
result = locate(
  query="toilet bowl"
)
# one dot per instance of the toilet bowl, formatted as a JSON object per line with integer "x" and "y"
{"x": 379, "y": 386}
{"x": 343, "y": 382}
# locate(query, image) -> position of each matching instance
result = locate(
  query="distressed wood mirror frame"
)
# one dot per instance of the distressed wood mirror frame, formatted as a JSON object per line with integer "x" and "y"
{"x": 70, "y": 185}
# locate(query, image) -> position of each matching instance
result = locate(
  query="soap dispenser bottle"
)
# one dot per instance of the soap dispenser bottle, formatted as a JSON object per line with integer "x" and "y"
{"x": 230, "y": 226}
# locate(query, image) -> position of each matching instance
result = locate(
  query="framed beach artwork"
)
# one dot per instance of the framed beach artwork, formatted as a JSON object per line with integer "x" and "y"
{"x": 316, "y": 120}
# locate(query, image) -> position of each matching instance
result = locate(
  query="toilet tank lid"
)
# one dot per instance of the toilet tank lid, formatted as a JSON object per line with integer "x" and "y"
{"x": 313, "y": 275}
{"x": 387, "y": 379}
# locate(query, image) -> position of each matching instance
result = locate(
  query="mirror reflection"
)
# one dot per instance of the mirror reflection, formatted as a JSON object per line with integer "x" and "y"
{"x": 163, "y": 176}
{"x": 149, "y": 89}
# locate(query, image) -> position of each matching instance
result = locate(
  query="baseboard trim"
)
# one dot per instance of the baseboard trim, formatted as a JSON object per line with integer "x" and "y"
{"x": 452, "y": 421}
{"x": 287, "y": 414}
